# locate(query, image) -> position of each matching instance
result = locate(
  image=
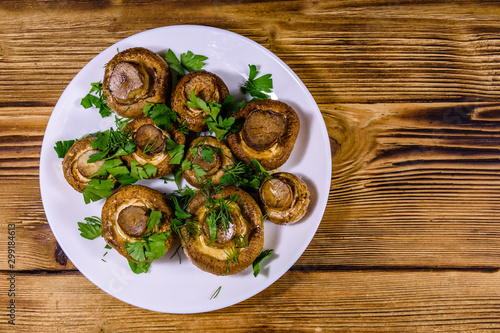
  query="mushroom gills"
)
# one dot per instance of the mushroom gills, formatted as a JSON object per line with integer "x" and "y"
{"x": 149, "y": 139}
{"x": 263, "y": 128}
{"x": 128, "y": 81}
{"x": 133, "y": 220}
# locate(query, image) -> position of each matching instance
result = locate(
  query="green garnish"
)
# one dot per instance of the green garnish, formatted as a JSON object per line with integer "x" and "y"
{"x": 149, "y": 248}
{"x": 231, "y": 106}
{"x": 145, "y": 172}
{"x": 241, "y": 241}
{"x": 121, "y": 122}
{"x": 96, "y": 98}
{"x": 244, "y": 176}
{"x": 233, "y": 255}
{"x": 112, "y": 143}
{"x": 189, "y": 61}
{"x": 257, "y": 87}
{"x": 98, "y": 189}
{"x": 175, "y": 151}
{"x": 218, "y": 125}
{"x": 162, "y": 115}
{"x": 91, "y": 229}
{"x": 139, "y": 267}
{"x": 62, "y": 147}
{"x": 219, "y": 216}
{"x": 256, "y": 264}
{"x": 216, "y": 293}
{"x": 154, "y": 218}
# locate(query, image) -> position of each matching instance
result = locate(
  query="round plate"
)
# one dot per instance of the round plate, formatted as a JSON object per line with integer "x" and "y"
{"x": 173, "y": 285}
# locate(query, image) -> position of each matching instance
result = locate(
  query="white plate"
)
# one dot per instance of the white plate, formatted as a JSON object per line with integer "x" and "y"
{"x": 169, "y": 286}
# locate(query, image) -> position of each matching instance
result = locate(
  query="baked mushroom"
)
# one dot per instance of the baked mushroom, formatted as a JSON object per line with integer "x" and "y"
{"x": 125, "y": 216}
{"x": 284, "y": 198}
{"x": 231, "y": 231}
{"x": 268, "y": 133}
{"x": 205, "y": 85}
{"x": 151, "y": 144}
{"x": 208, "y": 157}
{"x": 75, "y": 167}
{"x": 133, "y": 78}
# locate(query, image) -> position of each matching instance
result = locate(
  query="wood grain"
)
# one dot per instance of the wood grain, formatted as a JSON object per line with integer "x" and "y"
{"x": 409, "y": 91}
{"x": 346, "y": 301}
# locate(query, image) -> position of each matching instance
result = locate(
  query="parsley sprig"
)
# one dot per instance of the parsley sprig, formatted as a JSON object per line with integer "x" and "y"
{"x": 91, "y": 229}
{"x": 62, "y": 147}
{"x": 188, "y": 61}
{"x": 257, "y": 87}
{"x": 217, "y": 124}
{"x": 96, "y": 98}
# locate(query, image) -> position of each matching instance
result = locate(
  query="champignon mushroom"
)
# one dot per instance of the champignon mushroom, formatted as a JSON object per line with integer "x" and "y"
{"x": 205, "y": 85}
{"x": 125, "y": 217}
{"x": 75, "y": 167}
{"x": 284, "y": 198}
{"x": 133, "y": 78}
{"x": 231, "y": 231}
{"x": 150, "y": 141}
{"x": 208, "y": 157}
{"x": 268, "y": 133}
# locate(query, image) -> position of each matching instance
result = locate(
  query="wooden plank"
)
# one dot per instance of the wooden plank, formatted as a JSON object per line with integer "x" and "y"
{"x": 392, "y": 301}
{"x": 352, "y": 52}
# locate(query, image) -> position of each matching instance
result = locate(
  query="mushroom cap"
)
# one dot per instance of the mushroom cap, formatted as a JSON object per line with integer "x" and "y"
{"x": 207, "y": 86}
{"x": 150, "y": 147}
{"x": 125, "y": 213}
{"x": 133, "y": 78}
{"x": 75, "y": 167}
{"x": 284, "y": 197}
{"x": 222, "y": 158}
{"x": 245, "y": 225}
{"x": 268, "y": 134}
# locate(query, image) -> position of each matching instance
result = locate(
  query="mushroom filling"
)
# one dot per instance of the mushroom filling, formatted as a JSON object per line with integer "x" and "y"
{"x": 133, "y": 220}
{"x": 263, "y": 128}
{"x": 128, "y": 81}
{"x": 204, "y": 87}
{"x": 276, "y": 193}
{"x": 88, "y": 169}
{"x": 209, "y": 167}
{"x": 149, "y": 139}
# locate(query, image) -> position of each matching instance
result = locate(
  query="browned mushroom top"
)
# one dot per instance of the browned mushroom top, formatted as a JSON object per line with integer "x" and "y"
{"x": 284, "y": 197}
{"x": 205, "y": 85}
{"x": 268, "y": 134}
{"x": 209, "y": 155}
{"x": 133, "y": 78}
{"x": 231, "y": 231}
{"x": 125, "y": 217}
{"x": 76, "y": 168}
{"x": 150, "y": 141}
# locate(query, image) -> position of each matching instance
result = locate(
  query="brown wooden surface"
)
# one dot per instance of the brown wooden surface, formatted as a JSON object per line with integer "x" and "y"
{"x": 410, "y": 94}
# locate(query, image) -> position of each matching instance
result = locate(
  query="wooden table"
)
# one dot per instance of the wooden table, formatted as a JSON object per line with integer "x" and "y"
{"x": 410, "y": 94}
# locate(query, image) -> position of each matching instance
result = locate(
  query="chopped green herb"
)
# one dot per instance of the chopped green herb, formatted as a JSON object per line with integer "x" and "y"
{"x": 231, "y": 106}
{"x": 257, "y": 87}
{"x": 96, "y": 98}
{"x": 175, "y": 151}
{"x": 154, "y": 218}
{"x": 139, "y": 267}
{"x": 162, "y": 115}
{"x": 91, "y": 229}
{"x": 256, "y": 264}
{"x": 98, "y": 189}
{"x": 244, "y": 175}
{"x": 216, "y": 293}
{"x": 62, "y": 147}
{"x": 189, "y": 61}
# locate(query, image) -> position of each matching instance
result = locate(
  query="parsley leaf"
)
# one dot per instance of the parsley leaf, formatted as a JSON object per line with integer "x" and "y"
{"x": 98, "y": 101}
{"x": 175, "y": 151}
{"x": 192, "y": 62}
{"x": 91, "y": 229}
{"x": 139, "y": 267}
{"x": 142, "y": 172}
{"x": 256, "y": 264}
{"x": 257, "y": 87}
{"x": 156, "y": 245}
{"x": 154, "y": 218}
{"x": 162, "y": 115}
{"x": 137, "y": 250}
{"x": 62, "y": 147}
{"x": 231, "y": 106}
{"x": 174, "y": 62}
{"x": 98, "y": 189}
